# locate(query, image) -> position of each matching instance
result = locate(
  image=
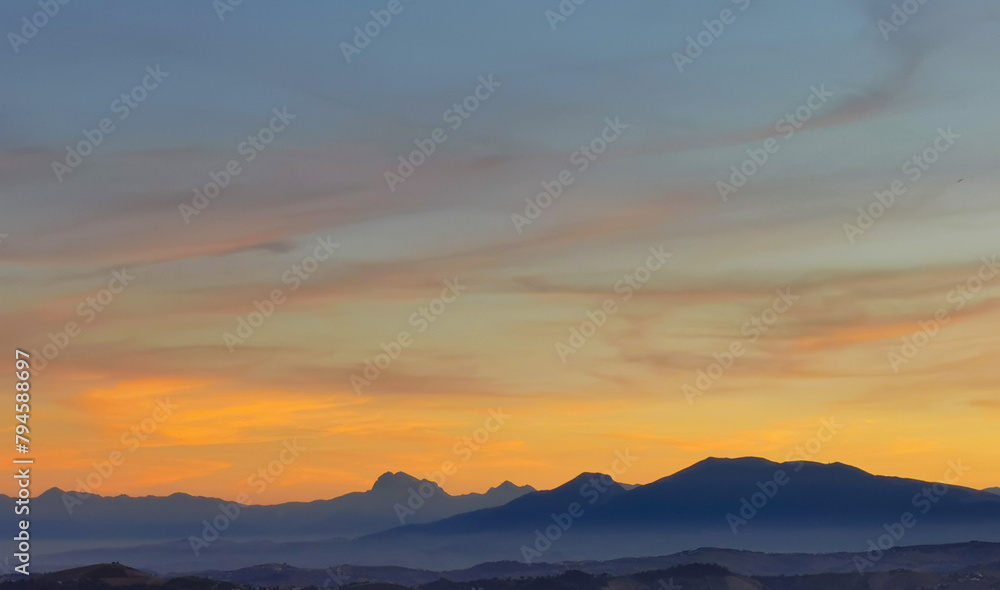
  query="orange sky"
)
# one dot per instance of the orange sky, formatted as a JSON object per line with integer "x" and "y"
{"x": 623, "y": 391}
{"x": 256, "y": 316}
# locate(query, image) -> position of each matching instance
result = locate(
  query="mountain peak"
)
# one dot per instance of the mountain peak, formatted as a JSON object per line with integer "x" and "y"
{"x": 734, "y": 465}
{"x": 400, "y": 482}
{"x": 112, "y": 574}
{"x": 588, "y": 477}
{"x": 394, "y": 481}
{"x": 726, "y": 466}
{"x": 509, "y": 486}
{"x": 718, "y": 461}
{"x": 507, "y": 491}
{"x": 53, "y": 492}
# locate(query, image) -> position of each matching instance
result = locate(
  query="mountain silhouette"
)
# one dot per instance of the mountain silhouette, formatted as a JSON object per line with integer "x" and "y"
{"x": 800, "y": 493}
{"x": 748, "y": 503}
{"x": 395, "y": 483}
{"x": 586, "y": 489}
{"x": 72, "y": 516}
{"x": 744, "y": 503}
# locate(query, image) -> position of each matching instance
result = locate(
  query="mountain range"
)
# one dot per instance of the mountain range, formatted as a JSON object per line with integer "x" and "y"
{"x": 969, "y": 566}
{"x": 72, "y": 518}
{"x": 961, "y": 557}
{"x": 740, "y": 504}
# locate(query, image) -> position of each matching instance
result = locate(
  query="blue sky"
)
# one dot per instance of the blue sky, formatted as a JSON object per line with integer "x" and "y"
{"x": 892, "y": 92}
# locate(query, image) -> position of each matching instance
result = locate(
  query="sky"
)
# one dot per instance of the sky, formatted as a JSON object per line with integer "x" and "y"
{"x": 636, "y": 228}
